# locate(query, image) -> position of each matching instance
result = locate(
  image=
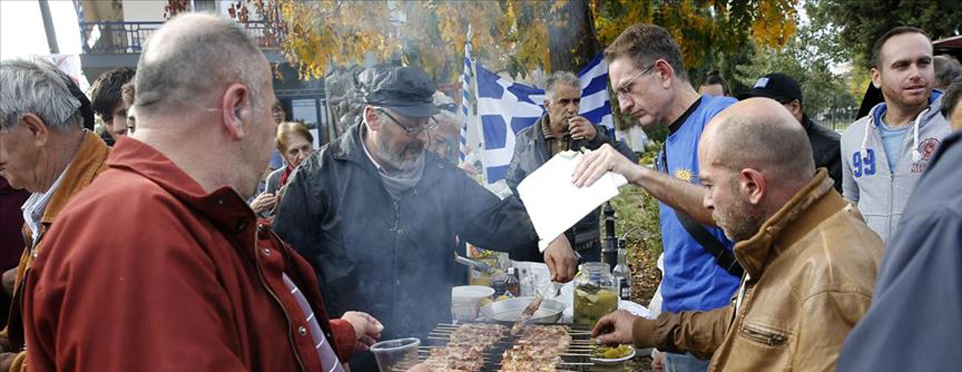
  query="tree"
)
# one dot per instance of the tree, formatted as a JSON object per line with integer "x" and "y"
{"x": 825, "y": 94}
{"x": 515, "y": 36}
{"x": 860, "y": 23}
{"x": 808, "y": 57}
{"x": 571, "y": 36}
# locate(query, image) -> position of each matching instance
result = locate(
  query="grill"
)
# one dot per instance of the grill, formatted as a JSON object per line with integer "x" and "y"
{"x": 575, "y": 358}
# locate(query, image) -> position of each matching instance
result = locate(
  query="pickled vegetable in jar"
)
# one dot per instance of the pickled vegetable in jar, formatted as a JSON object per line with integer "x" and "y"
{"x": 596, "y": 293}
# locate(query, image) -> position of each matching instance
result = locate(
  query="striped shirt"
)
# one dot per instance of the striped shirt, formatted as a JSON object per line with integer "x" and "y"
{"x": 36, "y": 205}
{"x": 323, "y": 347}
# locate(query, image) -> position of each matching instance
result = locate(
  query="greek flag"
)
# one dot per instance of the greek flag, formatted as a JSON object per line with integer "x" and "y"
{"x": 595, "y": 102}
{"x": 466, "y": 78}
{"x": 507, "y": 107}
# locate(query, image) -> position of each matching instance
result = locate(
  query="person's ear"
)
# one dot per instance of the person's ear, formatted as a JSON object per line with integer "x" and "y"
{"x": 796, "y": 107}
{"x": 877, "y": 78}
{"x": 752, "y": 185}
{"x": 235, "y": 107}
{"x": 38, "y": 129}
{"x": 665, "y": 72}
{"x": 372, "y": 118}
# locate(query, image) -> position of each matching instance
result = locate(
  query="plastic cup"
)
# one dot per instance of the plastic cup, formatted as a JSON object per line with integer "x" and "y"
{"x": 466, "y": 301}
{"x": 396, "y": 355}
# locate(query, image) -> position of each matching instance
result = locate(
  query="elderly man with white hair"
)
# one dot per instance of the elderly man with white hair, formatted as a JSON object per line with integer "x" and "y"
{"x": 44, "y": 149}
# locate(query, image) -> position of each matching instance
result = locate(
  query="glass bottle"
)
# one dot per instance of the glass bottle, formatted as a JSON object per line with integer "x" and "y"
{"x": 596, "y": 293}
{"x": 512, "y": 286}
{"x": 622, "y": 272}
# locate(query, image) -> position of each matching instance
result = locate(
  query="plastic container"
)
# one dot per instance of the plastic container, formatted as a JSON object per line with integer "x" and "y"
{"x": 596, "y": 293}
{"x": 466, "y": 300}
{"x": 400, "y": 354}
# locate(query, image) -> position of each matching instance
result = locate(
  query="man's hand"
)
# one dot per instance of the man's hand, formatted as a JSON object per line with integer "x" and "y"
{"x": 561, "y": 260}
{"x": 614, "y": 328}
{"x": 594, "y": 164}
{"x": 469, "y": 169}
{"x": 658, "y": 362}
{"x": 10, "y": 281}
{"x": 581, "y": 128}
{"x": 263, "y": 202}
{"x": 366, "y": 328}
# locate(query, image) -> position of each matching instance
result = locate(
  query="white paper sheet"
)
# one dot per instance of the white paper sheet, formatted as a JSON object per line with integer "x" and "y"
{"x": 555, "y": 204}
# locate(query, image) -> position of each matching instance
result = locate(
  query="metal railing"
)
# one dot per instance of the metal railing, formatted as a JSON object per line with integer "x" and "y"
{"x": 105, "y": 37}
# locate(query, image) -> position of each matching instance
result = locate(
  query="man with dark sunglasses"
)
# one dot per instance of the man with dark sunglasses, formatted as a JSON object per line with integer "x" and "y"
{"x": 378, "y": 216}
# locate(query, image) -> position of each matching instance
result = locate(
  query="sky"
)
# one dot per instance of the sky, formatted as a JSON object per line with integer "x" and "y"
{"x": 21, "y": 28}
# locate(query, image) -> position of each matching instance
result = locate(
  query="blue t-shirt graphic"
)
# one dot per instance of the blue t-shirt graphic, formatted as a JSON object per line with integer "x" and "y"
{"x": 692, "y": 280}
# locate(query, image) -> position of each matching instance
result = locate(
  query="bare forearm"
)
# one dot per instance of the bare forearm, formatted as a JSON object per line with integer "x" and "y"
{"x": 680, "y": 195}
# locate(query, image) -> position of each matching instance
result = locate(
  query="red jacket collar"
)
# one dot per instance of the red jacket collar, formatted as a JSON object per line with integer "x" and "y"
{"x": 223, "y": 206}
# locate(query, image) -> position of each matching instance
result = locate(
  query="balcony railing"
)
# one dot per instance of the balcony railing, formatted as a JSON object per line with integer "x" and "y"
{"x": 104, "y": 37}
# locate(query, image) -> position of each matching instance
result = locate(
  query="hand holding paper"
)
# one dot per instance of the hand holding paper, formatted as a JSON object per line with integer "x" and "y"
{"x": 555, "y": 204}
{"x": 597, "y": 163}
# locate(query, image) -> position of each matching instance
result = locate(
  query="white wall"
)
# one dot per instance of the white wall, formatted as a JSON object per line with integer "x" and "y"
{"x": 143, "y": 11}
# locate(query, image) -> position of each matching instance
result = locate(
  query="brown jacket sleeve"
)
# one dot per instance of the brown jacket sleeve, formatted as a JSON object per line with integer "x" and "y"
{"x": 697, "y": 332}
{"x": 19, "y": 363}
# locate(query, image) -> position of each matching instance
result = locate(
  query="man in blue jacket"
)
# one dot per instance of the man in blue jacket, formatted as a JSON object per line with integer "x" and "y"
{"x": 646, "y": 69}
{"x": 917, "y": 310}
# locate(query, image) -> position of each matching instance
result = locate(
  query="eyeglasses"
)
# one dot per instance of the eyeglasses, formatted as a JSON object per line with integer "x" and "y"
{"x": 427, "y": 124}
{"x": 627, "y": 86}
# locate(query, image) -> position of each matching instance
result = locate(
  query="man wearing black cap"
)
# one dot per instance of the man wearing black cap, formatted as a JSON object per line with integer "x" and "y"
{"x": 825, "y": 142}
{"x": 45, "y": 150}
{"x": 378, "y": 216}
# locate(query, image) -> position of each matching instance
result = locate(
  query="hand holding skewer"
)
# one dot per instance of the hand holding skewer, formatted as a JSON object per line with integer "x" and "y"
{"x": 561, "y": 260}
{"x": 615, "y": 328}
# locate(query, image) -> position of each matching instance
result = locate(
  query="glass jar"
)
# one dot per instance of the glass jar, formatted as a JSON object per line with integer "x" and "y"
{"x": 596, "y": 293}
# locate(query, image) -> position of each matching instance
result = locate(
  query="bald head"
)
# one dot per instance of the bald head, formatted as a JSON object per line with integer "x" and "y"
{"x": 753, "y": 158}
{"x": 191, "y": 60}
{"x": 759, "y": 133}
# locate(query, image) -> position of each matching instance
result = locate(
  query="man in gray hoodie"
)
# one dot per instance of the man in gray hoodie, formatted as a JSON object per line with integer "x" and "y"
{"x": 914, "y": 317}
{"x": 885, "y": 153}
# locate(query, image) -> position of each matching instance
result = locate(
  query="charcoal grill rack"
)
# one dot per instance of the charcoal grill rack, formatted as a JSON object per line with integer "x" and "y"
{"x": 576, "y": 358}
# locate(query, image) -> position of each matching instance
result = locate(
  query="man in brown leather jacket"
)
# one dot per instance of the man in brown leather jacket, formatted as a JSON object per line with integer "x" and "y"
{"x": 810, "y": 260}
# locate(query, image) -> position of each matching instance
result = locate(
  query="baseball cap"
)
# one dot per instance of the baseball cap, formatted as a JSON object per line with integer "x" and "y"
{"x": 777, "y": 86}
{"x": 406, "y": 90}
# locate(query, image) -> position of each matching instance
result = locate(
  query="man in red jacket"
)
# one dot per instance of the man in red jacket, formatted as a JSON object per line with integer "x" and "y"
{"x": 198, "y": 284}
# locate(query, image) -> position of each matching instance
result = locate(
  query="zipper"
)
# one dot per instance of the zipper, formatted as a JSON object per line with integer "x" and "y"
{"x": 764, "y": 336}
{"x": 290, "y": 336}
{"x": 891, "y": 205}
{"x": 909, "y": 136}
{"x": 397, "y": 241}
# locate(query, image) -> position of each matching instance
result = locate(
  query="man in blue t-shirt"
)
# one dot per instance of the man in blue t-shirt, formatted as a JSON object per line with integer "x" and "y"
{"x": 646, "y": 69}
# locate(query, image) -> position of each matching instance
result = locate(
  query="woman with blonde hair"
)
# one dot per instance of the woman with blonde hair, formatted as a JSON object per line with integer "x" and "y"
{"x": 295, "y": 142}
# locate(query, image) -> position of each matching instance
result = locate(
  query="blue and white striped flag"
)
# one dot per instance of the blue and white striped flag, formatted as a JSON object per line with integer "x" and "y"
{"x": 595, "y": 101}
{"x": 466, "y": 78}
{"x": 507, "y": 107}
